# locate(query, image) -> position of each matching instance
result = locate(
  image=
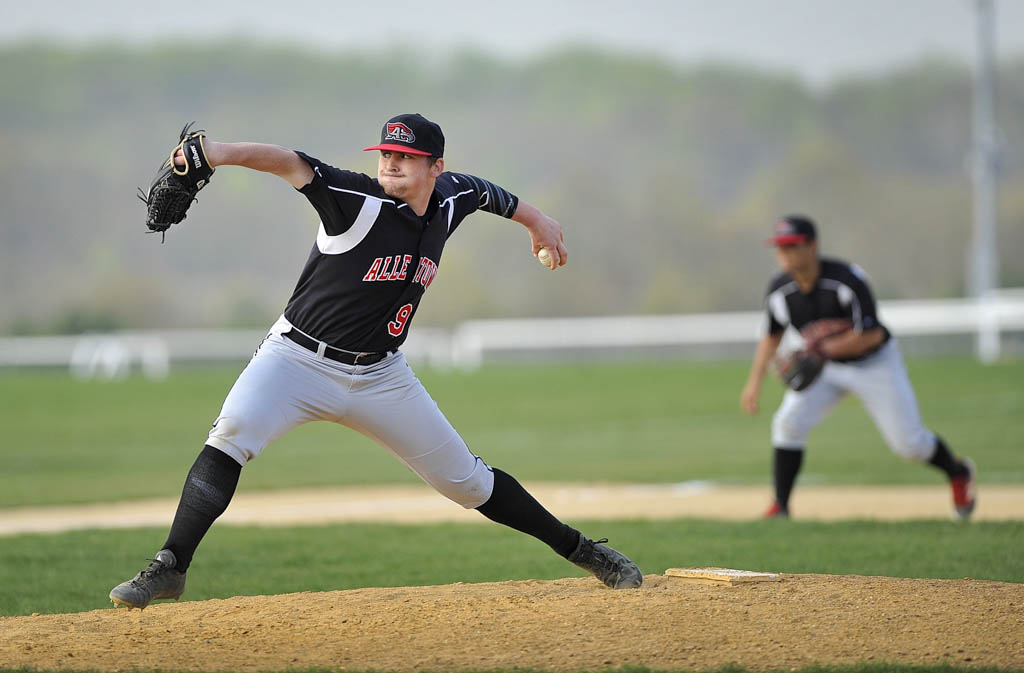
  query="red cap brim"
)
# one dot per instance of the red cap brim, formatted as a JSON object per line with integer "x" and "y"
{"x": 405, "y": 149}
{"x": 787, "y": 239}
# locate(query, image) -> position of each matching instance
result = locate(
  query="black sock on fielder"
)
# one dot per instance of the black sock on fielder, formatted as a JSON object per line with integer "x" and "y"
{"x": 511, "y": 505}
{"x": 208, "y": 489}
{"x": 786, "y": 465}
{"x": 944, "y": 460}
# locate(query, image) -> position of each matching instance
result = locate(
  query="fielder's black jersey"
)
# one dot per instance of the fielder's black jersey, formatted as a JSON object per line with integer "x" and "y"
{"x": 840, "y": 297}
{"x": 374, "y": 257}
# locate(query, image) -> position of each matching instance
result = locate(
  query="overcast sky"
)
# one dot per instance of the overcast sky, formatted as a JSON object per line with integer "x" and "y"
{"x": 818, "y": 39}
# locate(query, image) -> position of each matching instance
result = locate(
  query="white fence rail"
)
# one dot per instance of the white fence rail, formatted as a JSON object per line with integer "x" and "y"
{"x": 114, "y": 355}
{"x": 1001, "y": 312}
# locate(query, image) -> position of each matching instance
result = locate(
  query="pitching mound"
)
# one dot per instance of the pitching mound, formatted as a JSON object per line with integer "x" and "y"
{"x": 562, "y": 625}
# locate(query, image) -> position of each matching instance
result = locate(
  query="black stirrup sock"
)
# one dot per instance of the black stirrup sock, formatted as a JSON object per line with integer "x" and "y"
{"x": 786, "y": 466}
{"x": 510, "y": 504}
{"x": 208, "y": 489}
{"x": 944, "y": 460}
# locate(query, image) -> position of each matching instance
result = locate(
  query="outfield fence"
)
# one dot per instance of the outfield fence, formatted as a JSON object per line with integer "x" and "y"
{"x": 989, "y": 327}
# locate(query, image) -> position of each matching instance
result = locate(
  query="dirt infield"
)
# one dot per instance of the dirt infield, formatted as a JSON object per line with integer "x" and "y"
{"x": 562, "y": 625}
{"x": 420, "y": 504}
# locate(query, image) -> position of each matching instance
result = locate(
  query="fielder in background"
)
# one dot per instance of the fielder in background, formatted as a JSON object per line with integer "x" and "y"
{"x": 334, "y": 353}
{"x": 829, "y": 302}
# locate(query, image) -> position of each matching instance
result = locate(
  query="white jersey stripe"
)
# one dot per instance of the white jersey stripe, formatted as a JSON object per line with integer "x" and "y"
{"x": 364, "y": 194}
{"x": 777, "y": 304}
{"x": 847, "y": 297}
{"x": 342, "y": 243}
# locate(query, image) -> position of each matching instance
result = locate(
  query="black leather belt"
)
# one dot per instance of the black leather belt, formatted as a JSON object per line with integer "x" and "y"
{"x": 336, "y": 354}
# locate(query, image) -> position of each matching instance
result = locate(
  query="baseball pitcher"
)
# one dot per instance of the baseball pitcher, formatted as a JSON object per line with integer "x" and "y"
{"x": 334, "y": 354}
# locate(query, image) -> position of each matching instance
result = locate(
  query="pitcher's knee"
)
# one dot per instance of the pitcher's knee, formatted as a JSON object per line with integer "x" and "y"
{"x": 229, "y": 435}
{"x": 470, "y": 491}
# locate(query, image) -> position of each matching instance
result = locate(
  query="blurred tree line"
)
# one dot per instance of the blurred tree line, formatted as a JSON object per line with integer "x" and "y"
{"x": 666, "y": 178}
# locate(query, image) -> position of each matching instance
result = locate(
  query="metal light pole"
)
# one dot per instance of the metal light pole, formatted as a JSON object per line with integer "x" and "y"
{"x": 984, "y": 263}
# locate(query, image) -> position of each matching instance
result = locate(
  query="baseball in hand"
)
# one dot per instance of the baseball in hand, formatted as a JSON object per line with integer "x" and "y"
{"x": 545, "y": 258}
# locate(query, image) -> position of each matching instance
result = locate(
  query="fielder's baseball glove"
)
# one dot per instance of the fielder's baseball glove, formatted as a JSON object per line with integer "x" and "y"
{"x": 802, "y": 368}
{"x": 174, "y": 188}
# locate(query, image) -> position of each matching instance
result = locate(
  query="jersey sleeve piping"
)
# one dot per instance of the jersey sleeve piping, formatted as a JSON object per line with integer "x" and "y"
{"x": 451, "y": 210}
{"x": 491, "y": 198}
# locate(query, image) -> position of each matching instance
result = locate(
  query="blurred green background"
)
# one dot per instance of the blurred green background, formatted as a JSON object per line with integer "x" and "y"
{"x": 666, "y": 177}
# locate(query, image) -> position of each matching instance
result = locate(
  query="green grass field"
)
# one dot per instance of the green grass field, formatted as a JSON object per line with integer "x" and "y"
{"x": 78, "y": 442}
{"x": 66, "y": 441}
{"x": 72, "y": 572}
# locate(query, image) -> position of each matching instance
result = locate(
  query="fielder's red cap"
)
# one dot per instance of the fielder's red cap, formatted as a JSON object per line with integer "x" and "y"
{"x": 793, "y": 230}
{"x": 411, "y": 134}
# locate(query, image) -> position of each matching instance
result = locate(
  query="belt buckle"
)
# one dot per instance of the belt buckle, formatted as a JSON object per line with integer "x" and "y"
{"x": 358, "y": 356}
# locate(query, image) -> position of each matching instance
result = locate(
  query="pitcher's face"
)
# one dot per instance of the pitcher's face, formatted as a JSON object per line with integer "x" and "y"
{"x": 407, "y": 176}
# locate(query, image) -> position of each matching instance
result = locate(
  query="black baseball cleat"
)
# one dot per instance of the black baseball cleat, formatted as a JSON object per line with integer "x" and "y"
{"x": 161, "y": 579}
{"x": 606, "y": 564}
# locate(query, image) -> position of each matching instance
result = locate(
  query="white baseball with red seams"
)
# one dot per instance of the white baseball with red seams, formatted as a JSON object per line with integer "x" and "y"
{"x": 545, "y": 258}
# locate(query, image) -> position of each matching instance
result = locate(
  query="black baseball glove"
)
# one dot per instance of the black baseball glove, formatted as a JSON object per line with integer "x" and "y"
{"x": 174, "y": 188}
{"x": 802, "y": 368}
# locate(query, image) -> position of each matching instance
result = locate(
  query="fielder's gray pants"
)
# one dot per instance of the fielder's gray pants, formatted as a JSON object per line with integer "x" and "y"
{"x": 881, "y": 383}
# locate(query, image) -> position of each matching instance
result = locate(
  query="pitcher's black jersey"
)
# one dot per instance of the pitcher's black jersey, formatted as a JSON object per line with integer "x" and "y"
{"x": 374, "y": 257}
{"x": 841, "y": 293}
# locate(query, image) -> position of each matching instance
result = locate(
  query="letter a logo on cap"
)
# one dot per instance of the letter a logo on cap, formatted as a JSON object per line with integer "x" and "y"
{"x": 410, "y": 134}
{"x": 400, "y": 132}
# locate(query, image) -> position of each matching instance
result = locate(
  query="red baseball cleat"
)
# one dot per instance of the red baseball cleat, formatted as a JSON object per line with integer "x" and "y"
{"x": 964, "y": 497}
{"x": 776, "y": 511}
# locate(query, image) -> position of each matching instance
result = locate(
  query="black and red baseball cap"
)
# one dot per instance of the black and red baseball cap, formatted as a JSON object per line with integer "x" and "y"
{"x": 793, "y": 230}
{"x": 411, "y": 134}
